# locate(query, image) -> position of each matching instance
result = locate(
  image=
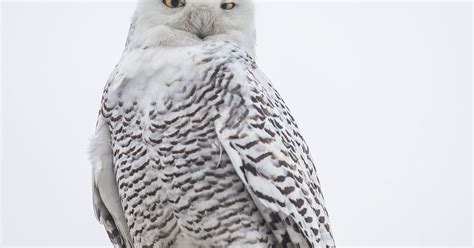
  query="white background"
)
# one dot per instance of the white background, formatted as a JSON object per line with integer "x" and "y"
{"x": 382, "y": 93}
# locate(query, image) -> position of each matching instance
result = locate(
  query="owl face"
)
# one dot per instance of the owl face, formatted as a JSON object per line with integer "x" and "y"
{"x": 201, "y": 19}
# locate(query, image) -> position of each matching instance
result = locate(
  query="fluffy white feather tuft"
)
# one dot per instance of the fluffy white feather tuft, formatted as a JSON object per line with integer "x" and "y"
{"x": 154, "y": 24}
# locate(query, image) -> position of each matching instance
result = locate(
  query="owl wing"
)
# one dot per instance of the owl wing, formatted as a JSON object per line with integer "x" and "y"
{"x": 271, "y": 157}
{"x": 106, "y": 199}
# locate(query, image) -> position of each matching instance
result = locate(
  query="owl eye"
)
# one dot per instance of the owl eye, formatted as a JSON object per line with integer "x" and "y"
{"x": 174, "y": 3}
{"x": 228, "y": 6}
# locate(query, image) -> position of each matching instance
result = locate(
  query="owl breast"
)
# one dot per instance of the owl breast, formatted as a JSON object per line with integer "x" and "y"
{"x": 177, "y": 185}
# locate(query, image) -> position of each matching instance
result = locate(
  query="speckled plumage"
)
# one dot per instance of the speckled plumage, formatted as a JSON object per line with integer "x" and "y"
{"x": 195, "y": 148}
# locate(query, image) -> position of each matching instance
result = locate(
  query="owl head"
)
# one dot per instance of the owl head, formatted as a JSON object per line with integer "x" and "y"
{"x": 188, "y": 22}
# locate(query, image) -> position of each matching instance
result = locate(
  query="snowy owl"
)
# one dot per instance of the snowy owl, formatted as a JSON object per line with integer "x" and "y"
{"x": 194, "y": 147}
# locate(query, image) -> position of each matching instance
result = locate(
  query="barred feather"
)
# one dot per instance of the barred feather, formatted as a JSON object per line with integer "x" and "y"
{"x": 206, "y": 153}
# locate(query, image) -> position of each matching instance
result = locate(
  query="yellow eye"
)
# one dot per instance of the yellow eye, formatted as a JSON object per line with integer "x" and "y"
{"x": 228, "y": 6}
{"x": 174, "y": 3}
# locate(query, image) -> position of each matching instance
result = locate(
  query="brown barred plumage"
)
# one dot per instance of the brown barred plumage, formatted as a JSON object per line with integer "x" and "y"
{"x": 210, "y": 158}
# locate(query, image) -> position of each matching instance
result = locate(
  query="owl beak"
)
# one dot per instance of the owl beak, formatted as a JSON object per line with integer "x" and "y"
{"x": 201, "y": 35}
{"x": 201, "y": 23}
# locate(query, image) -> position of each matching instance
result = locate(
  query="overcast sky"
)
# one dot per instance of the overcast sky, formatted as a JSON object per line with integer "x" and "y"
{"x": 382, "y": 93}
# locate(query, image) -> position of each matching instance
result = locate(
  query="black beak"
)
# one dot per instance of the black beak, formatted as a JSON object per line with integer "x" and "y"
{"x": 201, "y": 36}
